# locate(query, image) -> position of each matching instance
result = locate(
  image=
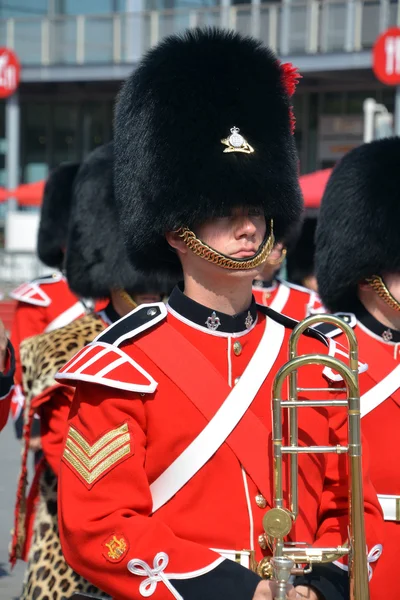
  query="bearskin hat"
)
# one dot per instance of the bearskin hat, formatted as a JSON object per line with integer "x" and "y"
{"x": 172, "y": 114}
{"x": 54, "y": 216}
{"x": 357, "y": 234}
{"x": 96, "y": 258}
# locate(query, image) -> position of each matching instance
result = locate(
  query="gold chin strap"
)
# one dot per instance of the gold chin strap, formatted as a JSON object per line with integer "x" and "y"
{"x": 222, "y": 260}
{"x": 278, "y": 261}
{"x": 127, "y": 298}
{"x": 377, "y": 284}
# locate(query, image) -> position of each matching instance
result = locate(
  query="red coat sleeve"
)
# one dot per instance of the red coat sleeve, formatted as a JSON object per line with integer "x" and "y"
{"x": 53, "y": 407}
{"x": 117, "y": 503}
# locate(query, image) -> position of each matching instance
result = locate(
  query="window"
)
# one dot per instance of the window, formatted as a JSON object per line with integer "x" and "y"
{"x": 35, "y": 122}
{"x": 23, "y": 8}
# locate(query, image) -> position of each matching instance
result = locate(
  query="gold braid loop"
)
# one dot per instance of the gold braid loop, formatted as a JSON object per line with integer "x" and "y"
{"x": 378, "y": 285}
{"x": 202, "y": 250}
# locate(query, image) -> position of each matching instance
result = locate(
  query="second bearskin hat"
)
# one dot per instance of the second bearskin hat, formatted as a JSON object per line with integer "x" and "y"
{"x": 96, "y": 257}
{"x": 54, "y": 216}
{"x": 357, "y": 234}
{"x": 203, "y": 125}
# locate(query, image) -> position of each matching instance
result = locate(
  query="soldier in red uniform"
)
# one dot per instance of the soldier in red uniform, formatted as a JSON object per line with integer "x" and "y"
{"x": 166, "y": 470}
{"x": 97, "y": 267}
{"x": 292, "y": 299}
{"x": 46, "y": 303}
{"x": 358, "y": 271}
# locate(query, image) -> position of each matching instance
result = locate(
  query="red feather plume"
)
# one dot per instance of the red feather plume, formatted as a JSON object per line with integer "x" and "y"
{"x": 290, "y": 79}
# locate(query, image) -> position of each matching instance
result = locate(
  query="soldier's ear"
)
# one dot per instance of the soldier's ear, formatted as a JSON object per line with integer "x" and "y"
{"x": 176, "y": 242}
{"x": 363, "y": 286}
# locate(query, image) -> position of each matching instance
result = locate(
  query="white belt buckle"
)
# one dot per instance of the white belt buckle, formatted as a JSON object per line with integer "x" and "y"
{"x": 390, "y": 506}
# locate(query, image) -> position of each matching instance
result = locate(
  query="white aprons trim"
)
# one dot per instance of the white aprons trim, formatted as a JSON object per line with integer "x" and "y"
{"x": 380, "y": 392}
{"x": 225, "y": 420}
{"x": 66, "y": 317}
{"x": 282, "y": 296}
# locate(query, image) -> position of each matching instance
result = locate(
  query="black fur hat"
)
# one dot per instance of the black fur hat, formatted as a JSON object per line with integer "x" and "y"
{"x": 56, "y": 207}
{"x": 96, "y": 258}
{"x": 171, "y": 115}
{"x": 358, "y": 228}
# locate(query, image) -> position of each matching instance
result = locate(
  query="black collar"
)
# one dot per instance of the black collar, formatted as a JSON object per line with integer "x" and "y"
{"x": 210, "y": 319}
{"x": 111, "y": 313}
{"x": 386, "y": 333}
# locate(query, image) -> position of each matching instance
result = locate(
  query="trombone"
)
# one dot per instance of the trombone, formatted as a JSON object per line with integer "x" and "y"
{"x": 278, "y": 520}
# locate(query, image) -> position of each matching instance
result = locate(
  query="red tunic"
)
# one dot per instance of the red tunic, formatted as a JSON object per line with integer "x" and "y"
{"x": 292, "y": 300}
{"x": 380, "y": 425}
{"x": 137, "y": 409}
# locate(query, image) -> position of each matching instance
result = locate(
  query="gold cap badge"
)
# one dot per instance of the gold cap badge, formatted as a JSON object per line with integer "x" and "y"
{"x": 237, "y": 143}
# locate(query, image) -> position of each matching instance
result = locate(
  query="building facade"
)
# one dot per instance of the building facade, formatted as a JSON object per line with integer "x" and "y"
{"x": 75, "y": 54}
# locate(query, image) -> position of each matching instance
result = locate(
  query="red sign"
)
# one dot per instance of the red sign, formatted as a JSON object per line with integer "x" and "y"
{"x": 386, "y": 57}
{"x": 9, "y": 72}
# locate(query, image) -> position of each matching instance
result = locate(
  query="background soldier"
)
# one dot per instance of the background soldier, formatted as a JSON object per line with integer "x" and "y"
{"x": 96, "y": 266}
{"x": 358, "y": 270}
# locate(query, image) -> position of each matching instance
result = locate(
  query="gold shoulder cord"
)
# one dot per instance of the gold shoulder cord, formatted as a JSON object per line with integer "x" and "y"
{"x": 127, "y": 298}
{"x": 377, "y": 284}
{"x": 217, "y": 258}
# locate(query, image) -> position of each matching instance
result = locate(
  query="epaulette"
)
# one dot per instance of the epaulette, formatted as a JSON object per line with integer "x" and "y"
{"x": 103, "y": 362}
{"x": 32, "y": 293}
{"x": 43, "y": 354}
{"x": 330, "y": 330}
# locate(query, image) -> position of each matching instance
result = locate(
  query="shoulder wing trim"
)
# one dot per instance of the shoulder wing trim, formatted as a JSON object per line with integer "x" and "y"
{"x": 103, "y": 362}
{"x": 107, "y": 365}
{"x": 31, "y": 293}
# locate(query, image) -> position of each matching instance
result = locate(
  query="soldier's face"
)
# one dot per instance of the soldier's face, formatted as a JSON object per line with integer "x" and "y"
{"x": 148, "y": 298}
{"x": 238, "y": 236}
{"x": 392, "y": 282}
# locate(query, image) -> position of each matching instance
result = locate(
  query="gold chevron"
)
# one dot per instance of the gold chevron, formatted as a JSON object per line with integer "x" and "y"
{"x": 88, "y": 476}
{"x": 91, "y": 463}
{"x": 103, "y": 441}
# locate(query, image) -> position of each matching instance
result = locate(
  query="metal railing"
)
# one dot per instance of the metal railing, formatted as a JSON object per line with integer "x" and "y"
{"x": 18, "y": 266}
{"x": 290, "y": 27}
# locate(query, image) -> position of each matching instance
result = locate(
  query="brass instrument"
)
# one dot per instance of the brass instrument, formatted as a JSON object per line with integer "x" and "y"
{"x": 278, "y": 521}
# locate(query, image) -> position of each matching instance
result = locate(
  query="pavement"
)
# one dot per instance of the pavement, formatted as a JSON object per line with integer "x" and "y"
{"x": 10, "y": 454}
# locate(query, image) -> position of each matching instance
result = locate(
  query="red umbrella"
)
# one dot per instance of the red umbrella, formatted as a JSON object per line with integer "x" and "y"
{"x": 28, "y": 194}
{"x": 313, "y": 186}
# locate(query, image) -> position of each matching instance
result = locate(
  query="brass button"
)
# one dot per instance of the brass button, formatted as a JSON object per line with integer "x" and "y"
{"x": 237, "y": 380}
{"x": 261, "y": 501}
{"x": 262, "y": 541}
{"x": 237, "y": 348}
